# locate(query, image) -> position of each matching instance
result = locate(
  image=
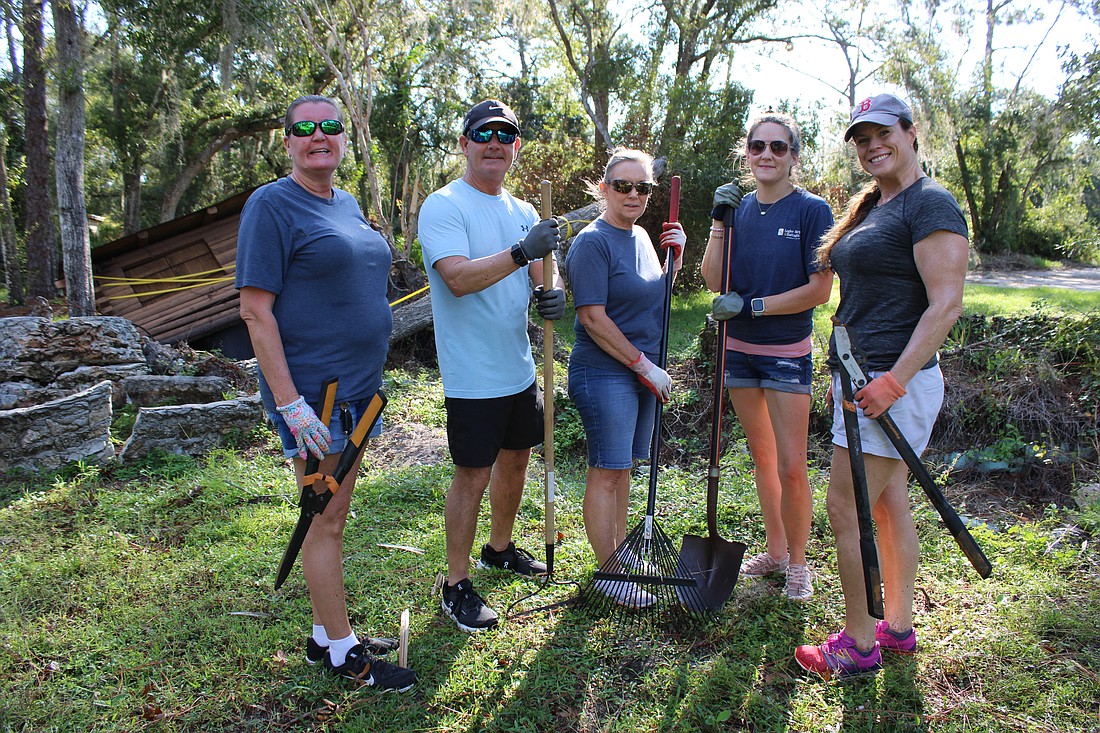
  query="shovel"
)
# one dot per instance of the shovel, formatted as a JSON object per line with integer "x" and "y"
{"x": 714, "y": 562}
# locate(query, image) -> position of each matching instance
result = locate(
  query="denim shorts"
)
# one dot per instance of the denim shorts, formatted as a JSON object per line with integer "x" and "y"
{"x": 779, "y": 373}
{"x": 915, "y": 414}
{"x": 344, "y": 419}
{"x": 617, "y": 411}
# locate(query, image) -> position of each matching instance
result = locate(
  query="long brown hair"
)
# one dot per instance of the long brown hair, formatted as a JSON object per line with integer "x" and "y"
{"x": 859, "y": 206}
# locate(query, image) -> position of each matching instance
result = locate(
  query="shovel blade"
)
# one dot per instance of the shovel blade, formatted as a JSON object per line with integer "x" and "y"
{"x": 714, "y": 563}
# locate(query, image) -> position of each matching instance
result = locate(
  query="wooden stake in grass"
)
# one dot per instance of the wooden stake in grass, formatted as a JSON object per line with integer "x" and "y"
{"x": 403, "y": 640}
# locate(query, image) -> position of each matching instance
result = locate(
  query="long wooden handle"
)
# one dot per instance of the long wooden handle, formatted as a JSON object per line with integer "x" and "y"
{"x": 548, "y": 393}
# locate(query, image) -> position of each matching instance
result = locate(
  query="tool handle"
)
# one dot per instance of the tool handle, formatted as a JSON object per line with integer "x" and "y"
{"x": 718, "y": 387}
{"x": 947, "y": 512}
{"x": 357, "y": 441}
{"x": 655, "y": 443}
{"x": 674, "y": 199}
{"x": 872, "y": 575}
{"x": 548, "y": 395}
{"x": 328, "y": 403}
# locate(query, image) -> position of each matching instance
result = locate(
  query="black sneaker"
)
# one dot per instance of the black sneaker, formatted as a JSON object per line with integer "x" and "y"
{"x": 462, "y": 603}
{"x": 365, "y": 669}
{"x": 512, "y": 558}
{"x": 316, "y": 653}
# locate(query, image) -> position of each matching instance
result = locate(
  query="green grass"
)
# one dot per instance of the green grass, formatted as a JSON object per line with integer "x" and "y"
{"x": 139, "y": 598}
{"x": 145, "y": 603}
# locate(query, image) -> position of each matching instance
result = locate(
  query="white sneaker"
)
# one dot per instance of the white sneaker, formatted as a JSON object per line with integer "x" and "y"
{"x": 800, "y": 585}
{"x": 763, "y": 564}
{"x": 632, "y": 563}
{"x": 626, "y": 593}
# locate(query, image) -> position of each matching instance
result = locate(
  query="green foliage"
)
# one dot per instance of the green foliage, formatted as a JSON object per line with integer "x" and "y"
{"x": 1061, "y": 228}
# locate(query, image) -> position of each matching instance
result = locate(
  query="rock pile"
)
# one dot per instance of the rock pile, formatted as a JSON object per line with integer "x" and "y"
{"x": 59, "y": 381}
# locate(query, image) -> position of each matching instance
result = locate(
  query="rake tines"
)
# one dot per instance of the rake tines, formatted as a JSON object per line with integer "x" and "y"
{"x": 644, "y": 580}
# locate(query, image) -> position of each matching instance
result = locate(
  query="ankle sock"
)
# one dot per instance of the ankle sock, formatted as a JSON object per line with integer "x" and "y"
{"x": 319, "y": 635}
{"x": 338, "y": 648}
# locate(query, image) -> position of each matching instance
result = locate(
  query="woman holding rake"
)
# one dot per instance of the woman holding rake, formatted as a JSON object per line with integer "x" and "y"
{"x": 618, "y": 289}
{"x": 774, "y": 285}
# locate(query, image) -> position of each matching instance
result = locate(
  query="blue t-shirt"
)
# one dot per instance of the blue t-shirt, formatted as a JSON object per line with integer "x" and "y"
{"x": 619, "y": 270}
{"x": 481, "y": 338}
{"x": 329, "y": 271}
{"x": 774, "y": 252}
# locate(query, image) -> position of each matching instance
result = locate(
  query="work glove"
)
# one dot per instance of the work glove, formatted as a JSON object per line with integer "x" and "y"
{"x": 674, "y": 239}
{"x": 879, "y": 394}
{"x": 726, "y": 306}
{"x": 307, "y": 428}
{"x": 726, "y": 196}
{"x": 541, "y": 240}
{"x": 550, "y": 303}
{"x": 653, "y": 377}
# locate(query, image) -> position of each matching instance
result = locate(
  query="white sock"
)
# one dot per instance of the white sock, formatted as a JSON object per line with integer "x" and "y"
{"x": 319, "y": 635}
{"x": 338, "y": 648}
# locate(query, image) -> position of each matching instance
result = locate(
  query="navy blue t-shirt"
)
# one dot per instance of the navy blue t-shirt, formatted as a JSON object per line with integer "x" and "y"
{"x": 774, "y": 250}
{"x": 619, "y": 270}
{"x": 329, "y": 271}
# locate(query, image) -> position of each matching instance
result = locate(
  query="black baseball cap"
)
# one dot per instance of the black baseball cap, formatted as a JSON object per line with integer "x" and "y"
{"x": 489, "y": 110}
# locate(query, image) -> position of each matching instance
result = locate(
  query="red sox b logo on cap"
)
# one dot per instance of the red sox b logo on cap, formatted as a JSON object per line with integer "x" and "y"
{"x": 865, "y": 105}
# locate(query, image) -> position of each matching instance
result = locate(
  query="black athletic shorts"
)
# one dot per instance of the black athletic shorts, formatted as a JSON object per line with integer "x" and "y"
{"x": 478, "y": 429}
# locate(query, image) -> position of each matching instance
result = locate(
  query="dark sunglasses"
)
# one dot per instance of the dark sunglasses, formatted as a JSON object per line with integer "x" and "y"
{"x": 305, "y": 128}
{"x": 484, "y": 135}
{"x": 621, "y": 186}
{"x": 780, "y": 148}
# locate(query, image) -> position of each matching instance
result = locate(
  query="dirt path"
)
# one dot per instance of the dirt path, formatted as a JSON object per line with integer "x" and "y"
{"x": 1078, "y": 278}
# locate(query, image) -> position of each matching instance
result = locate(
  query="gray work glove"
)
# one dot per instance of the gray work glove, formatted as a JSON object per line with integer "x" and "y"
{"x": 728, "y": 194}
{"x": 550, "y": 303}
{"x": 541, "y": 240}
{"x": 726, "y": 306}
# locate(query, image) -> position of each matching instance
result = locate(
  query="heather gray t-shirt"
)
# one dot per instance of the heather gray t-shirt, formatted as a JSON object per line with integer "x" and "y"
{"x": 882, "y": 295}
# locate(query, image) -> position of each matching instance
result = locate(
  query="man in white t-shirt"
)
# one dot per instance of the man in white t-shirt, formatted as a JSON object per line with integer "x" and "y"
{"x": 483, "y": 250}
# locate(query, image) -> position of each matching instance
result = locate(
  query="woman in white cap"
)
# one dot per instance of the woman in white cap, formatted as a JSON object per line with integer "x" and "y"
{"x": 900, "y": 251}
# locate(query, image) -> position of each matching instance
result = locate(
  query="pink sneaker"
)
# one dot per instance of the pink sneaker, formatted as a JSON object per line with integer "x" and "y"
{"x": 891, "y": 642}
{"x": 838, "y": 657}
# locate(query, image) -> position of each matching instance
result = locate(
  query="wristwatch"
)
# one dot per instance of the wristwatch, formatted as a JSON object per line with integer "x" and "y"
{"x": 757, "y": 306}
{"x": 518, "y": 257}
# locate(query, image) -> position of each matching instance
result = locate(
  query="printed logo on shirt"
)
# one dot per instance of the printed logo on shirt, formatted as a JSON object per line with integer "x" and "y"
{"x": 364, "y": 226}
{"x": 789, "y": 233}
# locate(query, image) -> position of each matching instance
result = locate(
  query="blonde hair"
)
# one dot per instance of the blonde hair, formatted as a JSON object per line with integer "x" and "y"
{"x": 618, "y": 155}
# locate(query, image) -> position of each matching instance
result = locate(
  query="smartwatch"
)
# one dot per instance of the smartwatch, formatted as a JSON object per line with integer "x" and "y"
{"x": 757, "y": 306}
{"x": 518, "y": 257}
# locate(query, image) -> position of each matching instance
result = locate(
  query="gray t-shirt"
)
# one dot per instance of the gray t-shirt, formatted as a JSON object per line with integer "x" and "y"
{"x": 882, "y": 295}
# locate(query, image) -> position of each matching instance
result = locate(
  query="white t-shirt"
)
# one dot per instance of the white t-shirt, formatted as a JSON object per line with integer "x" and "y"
{"x": 481, "y": 338}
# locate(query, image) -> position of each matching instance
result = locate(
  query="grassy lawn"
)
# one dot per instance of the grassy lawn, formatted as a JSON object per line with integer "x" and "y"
{"x": 139, "y": 598}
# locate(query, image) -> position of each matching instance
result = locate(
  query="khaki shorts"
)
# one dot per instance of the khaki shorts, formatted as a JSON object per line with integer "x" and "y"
{"x": 915, "y": 414}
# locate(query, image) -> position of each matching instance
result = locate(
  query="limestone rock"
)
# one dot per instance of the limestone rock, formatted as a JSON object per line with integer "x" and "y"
{"x": 47, "y": 436}
{"x": 152, "y": 390}
{"x": 39, "y": 350}
{"x": 191, "y": 429}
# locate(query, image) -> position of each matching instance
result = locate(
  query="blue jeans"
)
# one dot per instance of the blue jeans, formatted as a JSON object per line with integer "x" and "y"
{"x": 617, "y": 411}
{"x": 345, "y": 413}
{"x": 780, "y": 373}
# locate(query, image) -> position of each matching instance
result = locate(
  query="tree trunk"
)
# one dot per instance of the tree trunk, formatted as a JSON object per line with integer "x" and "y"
{"x": 13, "y": 264}
{"x": 76, "y": 250}
{"x": 9, "y": 36}
{"x": 38, "y": 222}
